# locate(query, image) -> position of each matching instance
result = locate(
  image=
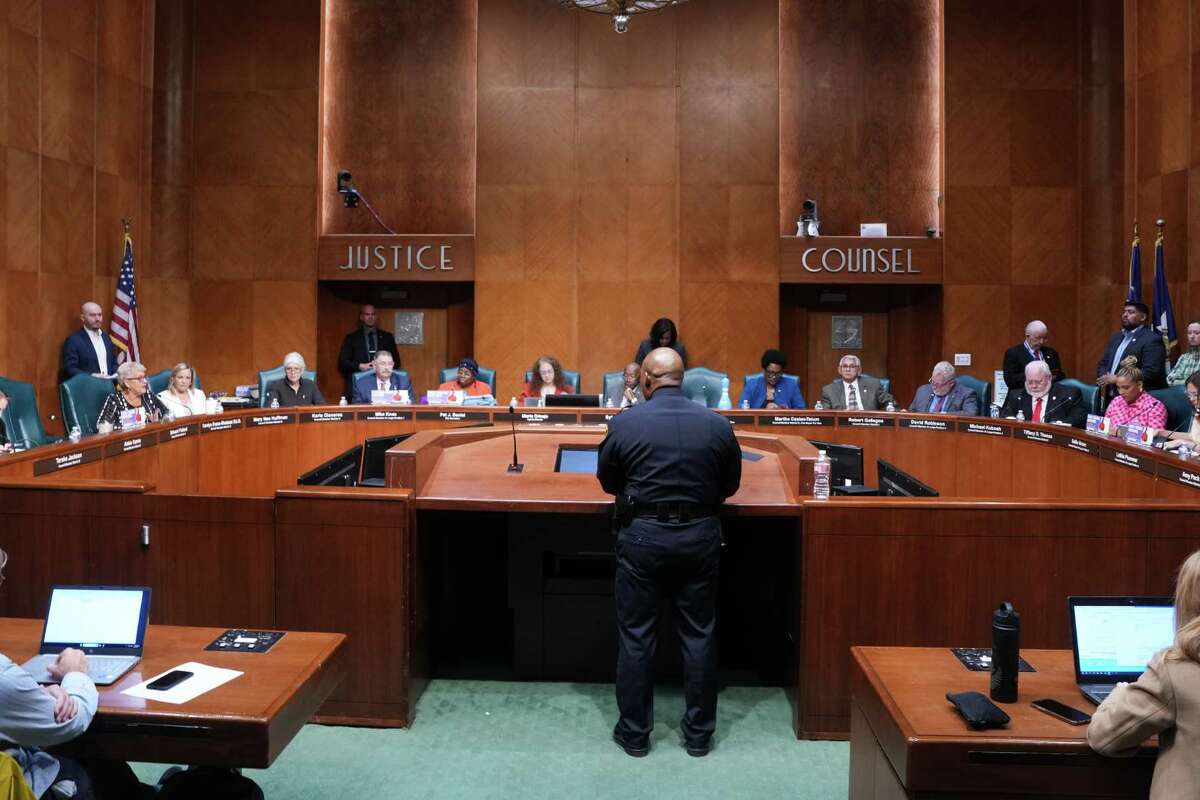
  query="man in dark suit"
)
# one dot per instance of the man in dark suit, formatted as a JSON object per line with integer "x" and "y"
{"x": 90, "y": 349}
{"x": 1138, "y": 341}
{"x": 854, "y": 391}
{"x": 383, "y": 379}
{"x": 1034, "y": 348}
{"x": 670, "y": 463}
{"x": 944, "y": 395}
{"x": 360, "y": 346}
{"x": 1042, "y": 400}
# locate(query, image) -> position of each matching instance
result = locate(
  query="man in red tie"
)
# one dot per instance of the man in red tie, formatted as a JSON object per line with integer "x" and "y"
{"x": 1042, "y": 400}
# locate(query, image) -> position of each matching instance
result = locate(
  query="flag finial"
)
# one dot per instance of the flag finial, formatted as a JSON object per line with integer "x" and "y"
{"x": 125, "y": 223}
{"x": 1162, "y": 223}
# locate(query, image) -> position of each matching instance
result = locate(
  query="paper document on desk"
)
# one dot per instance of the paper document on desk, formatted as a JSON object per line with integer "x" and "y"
{"x": 204, "y": 679}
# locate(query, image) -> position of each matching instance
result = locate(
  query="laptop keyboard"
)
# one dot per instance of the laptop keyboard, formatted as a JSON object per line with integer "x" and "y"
{"x": 102, "y": 668}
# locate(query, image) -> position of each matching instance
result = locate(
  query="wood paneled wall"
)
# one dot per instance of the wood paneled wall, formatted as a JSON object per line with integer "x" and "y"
{"x": 74, "y": 122}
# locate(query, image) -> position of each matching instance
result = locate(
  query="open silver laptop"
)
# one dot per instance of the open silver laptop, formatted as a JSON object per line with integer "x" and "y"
{"x": 1115, "y": 637}
{"x": 108, "y": 623}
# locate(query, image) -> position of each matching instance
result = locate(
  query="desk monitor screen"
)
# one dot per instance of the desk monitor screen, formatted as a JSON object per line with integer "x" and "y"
{"x": 585, "y": 400}
{"x": 579, "y": 458}
{"x": 1115, "y": 637}
{"x": 894, "y": 482}
{"x": 374, "y": 451}
{"x": 846, "y": 460}
{"x": 341, "y": 470}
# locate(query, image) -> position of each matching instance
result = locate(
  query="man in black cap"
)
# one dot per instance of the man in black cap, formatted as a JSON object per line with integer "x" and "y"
{"x": 360, "y": 346}
{"x": 670, "y": 463}
{"x": 467, "y": 380}
{"x": 1138, "y": 341}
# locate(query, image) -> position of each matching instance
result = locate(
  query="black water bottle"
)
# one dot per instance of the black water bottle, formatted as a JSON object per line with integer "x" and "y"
{"x": 1006, "y": 653}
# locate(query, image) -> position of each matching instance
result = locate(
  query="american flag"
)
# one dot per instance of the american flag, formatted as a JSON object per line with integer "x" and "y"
{"x": 124, "y": 327}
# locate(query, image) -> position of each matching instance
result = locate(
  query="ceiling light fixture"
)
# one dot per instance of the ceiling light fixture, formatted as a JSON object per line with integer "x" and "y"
{"x": 620, "y": 10}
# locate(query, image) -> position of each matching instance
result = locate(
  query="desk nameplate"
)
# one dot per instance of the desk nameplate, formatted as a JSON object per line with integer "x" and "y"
{"x": 983, "y": 429}
{"x": 45, "y": 466}
{"x": 227, "y": 424}
{"x": 740, "y": 419}
{"x": 1037, "y": 435}
{"x": 384, "y": 415}
{"x": 269, "y": 420}
{"x": 795, "y": 420}
{"x": 530, "y": 417}
{"x": 864, "y": 421}
{"x": 922, "y": 424}
{"x": 1188, "y": 475}
{"x": 1133, "y": 460}
{"x": 1080, "y": 444}
{"x": 597, "y": 419}
{"x": 129, "y": 445}
{"x": 454, "y": 416}
{"x": 326, "y": 416}
{"x": 174, "y": 432}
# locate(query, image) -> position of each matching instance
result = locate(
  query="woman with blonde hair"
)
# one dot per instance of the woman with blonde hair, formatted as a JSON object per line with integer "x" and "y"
{"x": 1165, "y": 700}
{"x": 181, "y": 397}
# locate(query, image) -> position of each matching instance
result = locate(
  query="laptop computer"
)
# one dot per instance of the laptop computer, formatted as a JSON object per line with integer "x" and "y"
{"x": 108, "y": 623}
{"x": 1113, "y": 639}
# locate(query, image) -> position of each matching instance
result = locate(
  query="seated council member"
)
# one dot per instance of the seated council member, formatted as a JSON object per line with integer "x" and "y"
{"x": 1190, "y": 437}
{"x": 663, "y": 333}
{"x": 546, "y": 378}
{"x": 1188, "y": 362}
{"x": 1034, "y": 348}
{"x": 132, "y": 394}
{"x": 180, "y": 397}
{"x": 854, "y": 391}
{"x": 1042, "y": 400}
{"x": 467, "y": 380}
{"x": 943, "y": 394}
{"x": 384, "y": 379}
{"x": 1165, "y": 700}
{"x": 630, "y": 391}
{"x": 293, "y": 389}
{"x": 772, "y": 389}
{"x": 1132, "y": 404}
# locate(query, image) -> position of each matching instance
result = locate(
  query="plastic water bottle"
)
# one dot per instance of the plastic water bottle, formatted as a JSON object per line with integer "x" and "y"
{"x": 512, "y": 402}
{"x": 994, "y": 411}
{"x": 818, "y": 406}
{"x": 608, "y": 403}
{"x": 746, "y": 405}
{"x": 1020, "y": 415}
{"x": 169, "y": 418}
{"x": 890, "y": 407}
{"x": 274, "y": 402}
{"x": 75, "y": 434}
{"x": 821, "y": 472}
{"x": 725, "y": 402}
{"x": 342, "y": 401}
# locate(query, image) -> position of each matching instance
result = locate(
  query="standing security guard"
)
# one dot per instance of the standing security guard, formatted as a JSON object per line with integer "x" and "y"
{"x": 670, "y": 463}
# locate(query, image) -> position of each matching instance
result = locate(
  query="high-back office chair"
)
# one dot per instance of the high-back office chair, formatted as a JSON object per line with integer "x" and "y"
{"x": 267, "y": 375}
{"x": 1179, "y": 408}
{"x": 82, "y": 397}
{"x": 982, "y": 390}
{"x": 161, "y": 380}
{"x": 22, "y": 423}
{"x": 1088, "y": 390}
{"x": 571, "y": 376}
{"x": 486, "y": 374}
{"x": 613, "y": 382}
{"x": 702, "y": 383}
{"x": 886, "y": 383}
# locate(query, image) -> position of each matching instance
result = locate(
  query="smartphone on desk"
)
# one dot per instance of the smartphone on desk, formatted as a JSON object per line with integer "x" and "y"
{"x": 1071, "y": 716}
{"x": 170, "y": 680}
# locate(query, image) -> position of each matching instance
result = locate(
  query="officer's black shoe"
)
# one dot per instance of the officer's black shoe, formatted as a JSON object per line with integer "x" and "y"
{"x": 697, "y": 750}
{"x": 631, "y": 750}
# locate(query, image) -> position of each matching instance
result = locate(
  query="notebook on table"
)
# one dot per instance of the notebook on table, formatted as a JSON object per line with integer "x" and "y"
{"x": 108, "y": 623}
{"x": 1114, "y": 638}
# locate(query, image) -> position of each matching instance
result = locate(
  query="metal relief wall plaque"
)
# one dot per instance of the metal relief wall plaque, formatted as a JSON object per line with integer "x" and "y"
{"x": 847, "y": 333}
{"x": 410, "y": 327}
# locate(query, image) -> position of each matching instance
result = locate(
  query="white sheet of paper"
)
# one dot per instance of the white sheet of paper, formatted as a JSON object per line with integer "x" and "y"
{"x": 204, "y": 679}
{"x": 999, "y": 390}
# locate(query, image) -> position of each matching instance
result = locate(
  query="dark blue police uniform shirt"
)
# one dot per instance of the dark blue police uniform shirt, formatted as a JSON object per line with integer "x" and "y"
{"x": 670, "y": 450}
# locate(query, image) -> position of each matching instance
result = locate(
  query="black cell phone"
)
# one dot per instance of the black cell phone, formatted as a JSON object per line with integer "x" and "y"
{"x": 1071, "y": 716}
{"x": 172, "y": 678}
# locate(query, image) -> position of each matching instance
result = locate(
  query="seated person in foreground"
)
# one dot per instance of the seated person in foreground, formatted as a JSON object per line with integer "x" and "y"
{"x": 1189, "y": 361}
{"x": 467, "y": 380}
{"x": 293, "y": 389}
{"x": 1190, "y": 437}
{"x": 943, "y": 394}
{"x": 1132, "y": 404}
{"x": 180, "y": 397}
{"x": 1044, "y": 401}
{"x": 1165, "y": 700}
{"x": 1034, "y": 348}
{"x": 854, "y": 391}
{"x": 383, "y": 379}
{"x": 772, "y": 389}
{"x": 131, "y": 395}
{"x": 547, "y": 378}
{"x": 33, "y": 717}
{"x": 663, "y": 333}
{"x": 629, "y": 393}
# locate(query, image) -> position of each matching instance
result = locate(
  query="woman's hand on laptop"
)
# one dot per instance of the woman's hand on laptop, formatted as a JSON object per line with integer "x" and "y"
{"x": 65, "y": 707}
{"x": 69, "y": 660}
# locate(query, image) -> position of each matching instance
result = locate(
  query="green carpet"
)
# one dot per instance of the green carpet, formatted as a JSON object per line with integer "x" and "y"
{"x": 486, "y": 739}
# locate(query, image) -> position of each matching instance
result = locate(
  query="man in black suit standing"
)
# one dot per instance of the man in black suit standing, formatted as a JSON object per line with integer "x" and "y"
{"x": 360, "y": 346}
{"x": 1041, "y": 400}
{"x": 1034, "y": 348}
{"x": 1138, "y": 341}
{"x": 90, "y": 349}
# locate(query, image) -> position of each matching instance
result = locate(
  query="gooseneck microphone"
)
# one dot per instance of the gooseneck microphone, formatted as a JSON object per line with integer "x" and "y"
{"x": 515, "y": 466}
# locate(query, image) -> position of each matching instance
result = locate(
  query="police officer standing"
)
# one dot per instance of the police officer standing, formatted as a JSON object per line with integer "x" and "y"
{"x": 670, "y": 463}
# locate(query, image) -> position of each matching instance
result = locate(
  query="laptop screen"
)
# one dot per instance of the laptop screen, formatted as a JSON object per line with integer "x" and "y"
{"x": 96, "y": 617}
{"x": 1117, "y": 636}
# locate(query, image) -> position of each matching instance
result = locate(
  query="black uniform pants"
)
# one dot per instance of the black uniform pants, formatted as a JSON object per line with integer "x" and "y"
{"x": 679, "y": 561}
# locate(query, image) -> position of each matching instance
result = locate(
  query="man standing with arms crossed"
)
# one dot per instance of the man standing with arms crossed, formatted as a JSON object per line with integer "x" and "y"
{"x": 670, "y": 463}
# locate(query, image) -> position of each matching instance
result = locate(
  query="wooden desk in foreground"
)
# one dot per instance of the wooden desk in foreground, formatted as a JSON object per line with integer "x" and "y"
{"x": 244, "y": 723}
{"x": 906, "y": 740}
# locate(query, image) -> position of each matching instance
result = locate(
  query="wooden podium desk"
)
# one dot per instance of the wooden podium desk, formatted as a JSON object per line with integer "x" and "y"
{"x": 244, "y": 723}
{"x": 906, "y": 740}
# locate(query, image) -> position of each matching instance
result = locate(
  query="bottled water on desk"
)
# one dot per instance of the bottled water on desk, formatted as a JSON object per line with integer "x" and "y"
{"x": 890, "y": 407}
{"x": 274, "y": 402}
{"x": 746, "y": 405}
{"x": 1020, "y": 415}
{"x": 725, "y": 402}
{"x": 608, "y": 403}
{"x": 342, "y": 401}
{"x": 818, "y": 406}
{"x": 821, "y": 471}
{"x": 75, "y": 434}
{"x": 994, "y": 411}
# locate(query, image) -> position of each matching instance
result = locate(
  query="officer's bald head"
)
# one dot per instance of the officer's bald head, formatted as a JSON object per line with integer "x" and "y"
{"x": 661, "y": 367}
